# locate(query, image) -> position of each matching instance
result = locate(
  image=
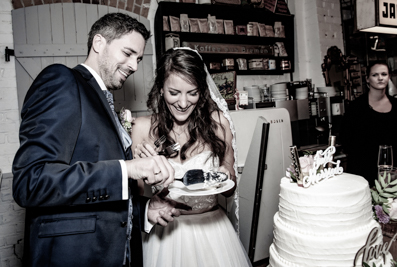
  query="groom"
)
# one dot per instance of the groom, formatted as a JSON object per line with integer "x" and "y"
{"x": 73, "y": 171}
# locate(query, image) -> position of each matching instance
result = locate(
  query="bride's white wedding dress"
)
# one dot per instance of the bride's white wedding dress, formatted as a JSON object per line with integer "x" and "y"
{"x": 203, "y": 238}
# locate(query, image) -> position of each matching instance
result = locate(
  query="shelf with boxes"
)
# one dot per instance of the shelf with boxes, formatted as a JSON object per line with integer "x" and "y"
{"x": 250, "y": 41}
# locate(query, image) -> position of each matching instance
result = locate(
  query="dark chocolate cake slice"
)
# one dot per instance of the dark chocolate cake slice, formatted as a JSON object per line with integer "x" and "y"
{"x": 199, "y": 176}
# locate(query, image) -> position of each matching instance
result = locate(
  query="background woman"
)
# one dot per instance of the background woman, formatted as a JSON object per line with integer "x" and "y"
{"x": 370, "y": 121}
{"x": 184, "y": 112}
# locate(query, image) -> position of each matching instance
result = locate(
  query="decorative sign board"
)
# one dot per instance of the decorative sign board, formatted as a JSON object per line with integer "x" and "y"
{"x": 387, "y": 12}
{"x": 372, "y": 251}
{"x": 212, "y": 48}
{"x": 226, "y": 83}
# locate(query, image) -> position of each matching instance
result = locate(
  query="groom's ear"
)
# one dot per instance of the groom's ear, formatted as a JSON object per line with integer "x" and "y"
{"x": 98, "y": 43}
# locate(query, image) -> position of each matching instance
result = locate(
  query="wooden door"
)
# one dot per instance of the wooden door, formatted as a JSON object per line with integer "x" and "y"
{"x": 58, "y": 33}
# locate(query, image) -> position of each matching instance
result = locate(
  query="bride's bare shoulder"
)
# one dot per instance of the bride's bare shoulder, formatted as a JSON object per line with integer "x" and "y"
{"x": 141, "y": 124}
{"x": 143, "y": 120}
{"x": 220, "y": 118}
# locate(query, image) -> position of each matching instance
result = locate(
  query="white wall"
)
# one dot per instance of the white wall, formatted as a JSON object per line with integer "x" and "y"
{"x": 318, "y": 26}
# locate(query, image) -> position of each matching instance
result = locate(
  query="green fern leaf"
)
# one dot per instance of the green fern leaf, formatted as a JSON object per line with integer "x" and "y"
{"x": 378, "y": 187}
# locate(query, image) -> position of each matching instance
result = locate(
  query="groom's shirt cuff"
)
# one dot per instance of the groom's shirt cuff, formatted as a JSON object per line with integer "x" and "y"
{"x": 124, "y": 181}
{"x": 147, "y": 225}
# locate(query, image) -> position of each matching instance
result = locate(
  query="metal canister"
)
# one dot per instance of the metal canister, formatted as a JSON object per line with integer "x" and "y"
{"x": 215, "y": 66}
{"x": 272, "y": 64}
{"x": 265, "y": 63}
{"x": 241, "y": 63}
{"x": 255, "y": 64}
{"x": 285, "y": 65}
{"x": 228, "y": 63}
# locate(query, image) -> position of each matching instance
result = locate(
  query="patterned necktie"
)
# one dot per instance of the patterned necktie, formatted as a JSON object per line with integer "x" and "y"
{"x": 127, "y": 142}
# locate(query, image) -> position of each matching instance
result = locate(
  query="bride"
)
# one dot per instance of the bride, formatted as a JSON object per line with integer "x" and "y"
{"x": 188, "y": 109}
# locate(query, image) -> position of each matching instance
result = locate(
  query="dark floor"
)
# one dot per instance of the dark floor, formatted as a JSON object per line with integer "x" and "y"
{"x": 262, "y": 263}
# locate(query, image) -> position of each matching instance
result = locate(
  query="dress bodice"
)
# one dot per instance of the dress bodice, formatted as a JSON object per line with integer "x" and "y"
{"x": 202, "y": 161}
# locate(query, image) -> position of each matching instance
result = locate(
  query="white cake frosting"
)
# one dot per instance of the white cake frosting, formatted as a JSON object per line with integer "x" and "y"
{"x": 323, "y": 225}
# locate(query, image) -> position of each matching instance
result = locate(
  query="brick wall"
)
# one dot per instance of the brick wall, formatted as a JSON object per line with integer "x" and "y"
{"x": 11, "y": 215}
{"x": 9, "y": 114}
{"x": 12, "y": 218}
{"x": 140, "y": 7}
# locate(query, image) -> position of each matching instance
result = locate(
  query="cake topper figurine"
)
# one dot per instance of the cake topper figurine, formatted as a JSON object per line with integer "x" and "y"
{"x": 306, "y": 170}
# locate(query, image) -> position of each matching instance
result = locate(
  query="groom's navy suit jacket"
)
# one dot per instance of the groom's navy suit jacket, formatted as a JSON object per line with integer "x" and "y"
{"x": 68, "y": 176}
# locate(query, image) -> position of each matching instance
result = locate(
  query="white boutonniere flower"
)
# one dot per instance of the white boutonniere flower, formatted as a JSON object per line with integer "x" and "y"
{"x": 126, "y": 119}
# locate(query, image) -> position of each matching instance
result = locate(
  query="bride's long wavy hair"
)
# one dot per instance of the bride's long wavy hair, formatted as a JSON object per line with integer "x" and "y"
{"x": 202, "y": 127}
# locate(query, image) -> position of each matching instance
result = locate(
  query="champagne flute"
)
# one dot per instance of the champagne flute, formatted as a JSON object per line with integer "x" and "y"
{"x": 385, "y": 158}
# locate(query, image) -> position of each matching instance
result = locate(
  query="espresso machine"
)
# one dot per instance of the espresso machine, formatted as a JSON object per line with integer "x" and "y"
{"x": 316, "y": 113}
{"x": 326, "y": 110}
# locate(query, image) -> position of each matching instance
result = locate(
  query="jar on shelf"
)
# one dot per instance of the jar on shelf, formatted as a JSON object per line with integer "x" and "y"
{"x": 171, "y": 41}
{"x": 228, "y": 63}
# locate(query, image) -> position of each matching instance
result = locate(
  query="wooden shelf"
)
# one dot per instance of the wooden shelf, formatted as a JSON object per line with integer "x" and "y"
{"x": 241, "y": 15}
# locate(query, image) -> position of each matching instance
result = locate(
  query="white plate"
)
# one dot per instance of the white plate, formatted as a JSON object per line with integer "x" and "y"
{"x": 179, "y": 188}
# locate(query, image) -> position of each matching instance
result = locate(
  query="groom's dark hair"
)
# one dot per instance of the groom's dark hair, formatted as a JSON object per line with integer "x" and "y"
{"x": 202, "y": 127}
{"x": 113, "y": 26}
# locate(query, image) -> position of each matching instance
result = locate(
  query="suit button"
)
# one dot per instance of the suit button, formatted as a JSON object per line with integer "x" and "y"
{"x": 123, "y": 224}
{"x": 87, "y": 199}
{"x": 107, "y": 196}
{"x": 101, "y": 198}
{"x": 93, "y": 199}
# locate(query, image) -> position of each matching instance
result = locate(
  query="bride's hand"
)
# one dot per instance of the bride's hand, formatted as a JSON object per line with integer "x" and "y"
{"x": 162, "y": 209}
{"x": 231, "y": 177}
{"x": 144, "y": 150}
{"x": 224, "y": 170}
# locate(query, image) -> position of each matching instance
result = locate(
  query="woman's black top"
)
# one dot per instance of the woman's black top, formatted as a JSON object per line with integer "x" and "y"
{"x": 363, "y": 130}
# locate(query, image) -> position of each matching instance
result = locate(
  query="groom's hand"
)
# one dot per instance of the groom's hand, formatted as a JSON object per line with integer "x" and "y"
{"x": 154, "y": 170}
{"x": 162, "y": 209}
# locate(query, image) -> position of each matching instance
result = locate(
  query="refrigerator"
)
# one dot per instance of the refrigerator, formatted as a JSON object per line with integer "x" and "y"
{"x": 263, "y": 139}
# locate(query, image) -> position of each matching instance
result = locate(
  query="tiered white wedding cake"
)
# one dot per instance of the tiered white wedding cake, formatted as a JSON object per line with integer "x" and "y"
{"x": 323, "y": 225}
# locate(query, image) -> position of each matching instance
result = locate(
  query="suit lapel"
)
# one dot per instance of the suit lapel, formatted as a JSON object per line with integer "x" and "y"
{"x": 97, "y": 91}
